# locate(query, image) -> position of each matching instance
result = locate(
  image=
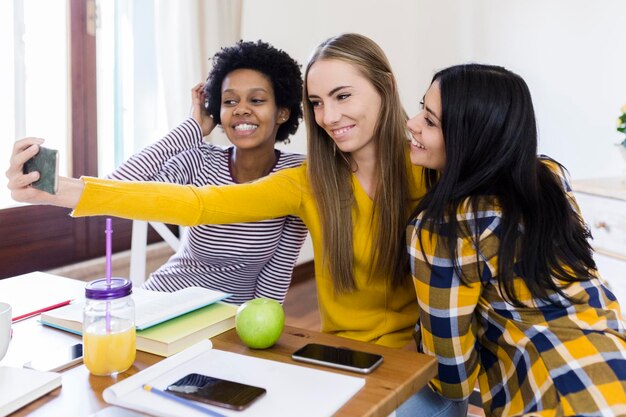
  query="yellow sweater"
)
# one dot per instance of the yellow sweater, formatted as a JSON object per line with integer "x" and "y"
{"x": 373, "y": 313}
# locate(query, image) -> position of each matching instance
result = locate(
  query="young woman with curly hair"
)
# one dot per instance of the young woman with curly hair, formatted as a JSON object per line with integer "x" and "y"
{"x": 254, "y": 92}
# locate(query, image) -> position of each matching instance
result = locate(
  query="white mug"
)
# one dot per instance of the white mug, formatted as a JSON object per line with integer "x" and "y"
{"x": 5, "y": 328}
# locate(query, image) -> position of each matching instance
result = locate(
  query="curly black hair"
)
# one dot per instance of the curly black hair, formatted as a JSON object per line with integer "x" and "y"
{"x": 282, "y": 70}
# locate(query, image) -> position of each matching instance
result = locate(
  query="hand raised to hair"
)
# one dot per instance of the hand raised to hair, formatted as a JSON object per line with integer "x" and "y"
{"x": 198, "y": 111}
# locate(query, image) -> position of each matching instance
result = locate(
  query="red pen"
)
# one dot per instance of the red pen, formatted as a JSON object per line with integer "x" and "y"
{"x": 34, "y": 313}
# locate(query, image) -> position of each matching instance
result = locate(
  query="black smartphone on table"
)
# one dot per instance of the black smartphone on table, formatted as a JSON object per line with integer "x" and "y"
{"x": 56, "y": 359}
{"x": 216, "y": 391}
{"x": 46, "y": 162}
{"x": 336, "y": 357}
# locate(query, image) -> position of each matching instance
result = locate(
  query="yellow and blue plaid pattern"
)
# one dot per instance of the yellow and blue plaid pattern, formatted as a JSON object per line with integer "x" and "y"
{"x": 542, "y": 360}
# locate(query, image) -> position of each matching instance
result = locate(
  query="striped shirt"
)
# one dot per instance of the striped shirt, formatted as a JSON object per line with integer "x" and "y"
{"x": 542, "y": 360}
{"x": 247, "y": 260}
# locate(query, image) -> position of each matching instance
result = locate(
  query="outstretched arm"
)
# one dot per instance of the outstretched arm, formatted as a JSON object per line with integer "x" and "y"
{"x": 70, "y": 189}
{"x": 281, "y": 193}
{"x": 275, "y": 277}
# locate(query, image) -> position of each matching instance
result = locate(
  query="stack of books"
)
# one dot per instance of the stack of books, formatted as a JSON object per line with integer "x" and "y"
{"x": 166, "y": 322}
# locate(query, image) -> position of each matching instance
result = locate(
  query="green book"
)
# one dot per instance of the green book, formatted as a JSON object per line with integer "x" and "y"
{"x": 46, "y": 162}
{"x": 184, "y": 317}
{"x": 179, "y": 333}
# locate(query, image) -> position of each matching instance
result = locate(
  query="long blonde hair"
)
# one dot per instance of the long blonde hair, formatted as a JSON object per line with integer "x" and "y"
{"x": 330, "y": 171}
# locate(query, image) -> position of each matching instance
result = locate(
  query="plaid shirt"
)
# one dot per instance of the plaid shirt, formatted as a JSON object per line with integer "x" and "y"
{"x": 542, "y": 360}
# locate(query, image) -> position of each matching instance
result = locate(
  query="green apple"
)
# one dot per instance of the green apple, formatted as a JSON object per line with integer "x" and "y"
{"x": 259, "y": 322}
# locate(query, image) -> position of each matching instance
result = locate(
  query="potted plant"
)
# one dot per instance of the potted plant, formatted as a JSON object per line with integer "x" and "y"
{"x": 621, "y": 127}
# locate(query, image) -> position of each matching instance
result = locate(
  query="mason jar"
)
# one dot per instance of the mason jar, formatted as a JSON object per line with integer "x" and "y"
{"x": 108, "y": 326}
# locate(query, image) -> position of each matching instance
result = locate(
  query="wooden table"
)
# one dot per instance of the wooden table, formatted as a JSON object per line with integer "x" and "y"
{"x": 402, "y": 373}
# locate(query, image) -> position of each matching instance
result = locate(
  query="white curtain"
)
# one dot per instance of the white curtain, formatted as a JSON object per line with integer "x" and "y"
{"x": 187, "y": 34}
{"x": 150, "y": 53}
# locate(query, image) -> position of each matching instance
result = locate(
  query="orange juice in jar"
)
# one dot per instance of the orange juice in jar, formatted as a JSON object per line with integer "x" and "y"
{"x": 108, "y": 326}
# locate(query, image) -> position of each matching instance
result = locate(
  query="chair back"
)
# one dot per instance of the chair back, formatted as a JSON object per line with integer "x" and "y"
{"x": 138, "y": 247}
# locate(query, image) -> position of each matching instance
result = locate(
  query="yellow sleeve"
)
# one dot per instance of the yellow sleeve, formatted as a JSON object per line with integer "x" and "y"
{"x": 276, "y": 195}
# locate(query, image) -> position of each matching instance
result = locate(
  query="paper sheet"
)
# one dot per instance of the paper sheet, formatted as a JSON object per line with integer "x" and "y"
{"x": 292, "y": 390}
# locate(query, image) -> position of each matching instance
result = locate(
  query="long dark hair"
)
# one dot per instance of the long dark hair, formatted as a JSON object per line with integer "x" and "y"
{"x": 490, "y": 134}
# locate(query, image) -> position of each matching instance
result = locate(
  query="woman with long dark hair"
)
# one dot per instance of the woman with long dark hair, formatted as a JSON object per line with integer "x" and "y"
{"x": 508, "y": 289}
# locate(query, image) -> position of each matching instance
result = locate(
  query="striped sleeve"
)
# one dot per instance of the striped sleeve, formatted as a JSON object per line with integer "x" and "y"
{"x": 275, "y": 277}
{"x": 151, "y": 164}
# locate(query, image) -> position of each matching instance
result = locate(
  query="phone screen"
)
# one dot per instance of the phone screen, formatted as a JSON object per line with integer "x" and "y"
{"x": 46, "y": 162}
{"x": 57, "y": 359}
{"x": 342, "y": 358}
{"x": 215, "y": 391}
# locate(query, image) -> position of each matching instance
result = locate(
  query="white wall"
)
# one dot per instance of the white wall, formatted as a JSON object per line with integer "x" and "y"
{"x": 299, "y": 26}
{"x": 571, "y": 53}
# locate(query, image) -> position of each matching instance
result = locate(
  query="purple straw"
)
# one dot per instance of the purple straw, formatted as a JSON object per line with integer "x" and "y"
{"x": 108, "y": 231}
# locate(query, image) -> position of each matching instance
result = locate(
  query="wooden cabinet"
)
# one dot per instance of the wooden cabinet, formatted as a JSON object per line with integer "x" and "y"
{"x": 602, "y": 202}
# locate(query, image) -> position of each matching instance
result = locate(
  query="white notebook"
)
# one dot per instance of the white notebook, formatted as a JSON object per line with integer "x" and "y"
{"x": 292, "y": 390}
{"x": 151, "y": 307}
{"x": 20, "y": 386}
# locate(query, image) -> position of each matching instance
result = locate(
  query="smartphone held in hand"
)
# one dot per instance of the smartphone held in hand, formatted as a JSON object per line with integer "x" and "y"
{"x": 46, "y": 162}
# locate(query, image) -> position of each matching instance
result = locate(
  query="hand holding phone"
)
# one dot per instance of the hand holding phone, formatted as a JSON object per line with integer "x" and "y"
{"x": 341, "y": 358}
{"x": 215, "y": 391}
{"x": 46, "y": 162}
{"x": 53, "y": 360}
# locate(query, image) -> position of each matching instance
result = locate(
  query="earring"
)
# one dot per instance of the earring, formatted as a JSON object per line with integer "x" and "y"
{"x": 334, "y": 149}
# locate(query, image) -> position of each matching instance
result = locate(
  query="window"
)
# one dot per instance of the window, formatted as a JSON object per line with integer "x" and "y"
{"x": 130, "y": 98}
{"x": 62, "y": 91}
{"x": 52, "y": 85}
{"x": 34, "y": 75}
